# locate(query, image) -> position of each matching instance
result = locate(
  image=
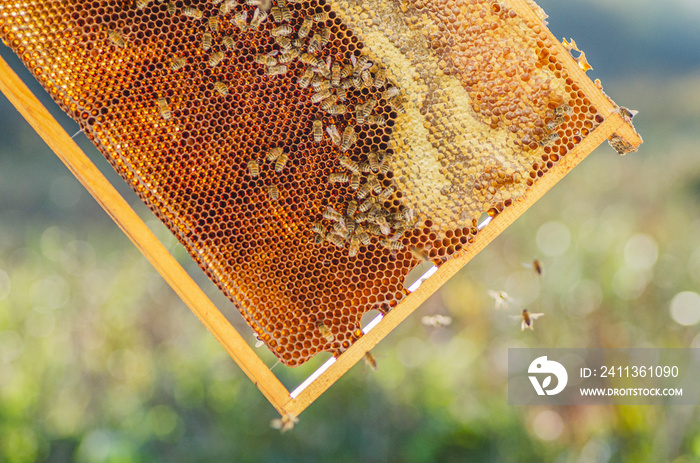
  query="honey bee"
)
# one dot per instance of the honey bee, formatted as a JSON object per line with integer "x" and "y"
{"x": 283, "y": 42}
{"x": 528, "y": 320}
{"x": 393, "y": 245}
{"x": 376, "y": 120}
{"x": 349, "y": 138}
{"x": 259, "y": 17}
{"x": 206, "y": 41}
{"x": 397, "y": 103}
{"x": 308, "y": 58}
{"x": 355, "y": 181}
{"x": 192, "y": 12}
{"x": 341, "y": 93}
{"x": 164, "y": 109}
{"x": 317, "y": 130}
{"x": 374, "y": 183}
{"x": 333, "y": 133}
{"x": 116, "y": 38}
{"x": 286, "y": 14}
{"x": 305, "y": 27}
{"x": 283, "y": 30}
{"x": 360, "y": 114}
{"x": 171, "y": 8}
{"x": 228, "y": 42}
{"x": 501, "y": 297}
{"x": 364, "y": 190}
{"x": 436, "y": 321}
{"x": 398, "y": 234}
{"x": 276, "y": 14}
{"x": 319, "y": 83}
{"x": 285, "y": 423}
{"x": 258, "y": 342}
{"x": 281, "y": 162}
{"x": 273, "y": 154}
{"x": 364, "y": 167}
{"x": 370, "y": 361}
{"x": 213, "y": 2}
{"x": 386, "y": 193}
{"x": 320, "y": 96}
{"x": 273, "y": 192}
{"x": 221, "y": 88}
{"x": 213, "y": 23}
{"x": 227, "y": 6}
{"x": 419, "y": 254}
{"x": 360, "y": 64}
{"x": 329, "y": 102}
{"x": 537, "y": 267}
{"x": 241, "y": 20}
{"x": 380, "y": 78}
{"x": 390, "y": 92}
{"x": 276, "y": 70}
{"x": 332, "y": 214}
{"x": 335, "y": 239}
{"x": 367, "y": 80}
{"x": 305, "y": 79}
{"x": 141, "y": 4}
{"x": 562, "y": 110}
{"x": 289, "y": 55}
{"x": 335, "y": 74}
{"x": 354, "y": 246}
{"x": 178, "y": 62}
{"x": 348, "y": 163}
{"x": 253, "y": 168}
{"x": 315, "y": 43}
{"x": 337, "y": 109}
{"x": 367, "y": 204}
{"x": 320, "y": 17}
{"x": 325, "y": 331}
{"x": 318, "y": 227}
{"x": 216, "y": 58}
{"x": 325, "y": 36}
{"x": 374, "y": 160}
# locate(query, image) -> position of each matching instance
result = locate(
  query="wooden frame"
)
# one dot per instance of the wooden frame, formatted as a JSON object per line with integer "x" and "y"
{"x": 246, "y": 358}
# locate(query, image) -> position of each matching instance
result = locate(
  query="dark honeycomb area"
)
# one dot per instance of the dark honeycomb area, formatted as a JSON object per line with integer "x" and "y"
{"x": 270, "y": 136}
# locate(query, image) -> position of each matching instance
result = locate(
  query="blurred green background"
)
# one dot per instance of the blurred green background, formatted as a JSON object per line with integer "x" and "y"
{"x": 101, "y": 362}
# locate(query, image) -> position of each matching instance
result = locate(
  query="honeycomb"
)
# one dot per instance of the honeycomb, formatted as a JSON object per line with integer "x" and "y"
{"x": 309, "y": 154}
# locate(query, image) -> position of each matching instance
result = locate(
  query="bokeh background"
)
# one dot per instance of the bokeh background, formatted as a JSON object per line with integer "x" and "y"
{"x": 101, "y": 362}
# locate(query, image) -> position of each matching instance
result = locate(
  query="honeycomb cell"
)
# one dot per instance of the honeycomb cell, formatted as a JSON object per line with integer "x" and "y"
{"x": 393, "y": 129}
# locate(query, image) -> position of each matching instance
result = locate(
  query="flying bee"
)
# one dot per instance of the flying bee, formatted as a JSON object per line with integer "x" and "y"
{"x": 319, "y": 17}
{"x": 273, "y": 192}
{"x": 364, "y": 190}
{"x": 241, "y": 20}
{"x": 320, "y": 96}
{"x": 273, "y": 154}
{"x": 386, "y": 193}
{"x": 419, "y": 254}
{"x": 376, "y": 120}
{"x": 336, "y": 239}
{"x": 315, "y": 43}
{"x": 171, "y": 8}
{"x": 390, "y": 92}
{"x": 213, "y": 22}
{"x": 527, "y": 319}
{"x": 337, "y": 109}
{"x": 305, "y": 27}
{"x": 537, "y": 267}
{"x": 338, "y": 177}
{"x": 332, "y": 214}
{"x": 367, "y": 203}
{"x": 374, "y": 183}
{"x": 285, "y": 423}
{"x": 370, "y": 361}
{"x": 436, "y": 321}
{"x": 393, "y": 245}
{"x": 178, "y": 62}
{"x": 325, "y": 331}
{"x": 281, "y": 162}
{"x": 116, "y": 38}
{"x": 317, "y": 130}
{"x": 305, "y": 79}
{"x": 164, "y": 109}
{"x": 349, "y": 138}
{"x": 216, "y": 58}
{"x": 329, "y": 102}
{"x": 253, "y": 168}
{"x": 221, "y": 88}
{"x": 397, "y": 103}
{"x": 348, "y": 163}
{"x": 276, "y": 70}
{"x": 228, "y": 42}
{"x": 206, "y": 41}
{"x": 192, "y": 12}
{"x": 501, "y": 297}
{"x": 284, "y": 29}
{"x": 355, "y": 181}
{"x": 333, "y": 133}
{"x": 259, "y": 17}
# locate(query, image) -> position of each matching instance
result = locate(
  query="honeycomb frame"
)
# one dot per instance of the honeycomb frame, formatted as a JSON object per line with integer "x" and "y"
{"x": 615, "y": 126}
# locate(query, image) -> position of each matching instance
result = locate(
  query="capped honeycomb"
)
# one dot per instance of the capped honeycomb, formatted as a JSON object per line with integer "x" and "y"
{"x": 309, "y": 154}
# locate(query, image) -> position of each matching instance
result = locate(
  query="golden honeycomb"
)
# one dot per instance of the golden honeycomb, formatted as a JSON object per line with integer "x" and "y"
{"x": 309, "y": 154}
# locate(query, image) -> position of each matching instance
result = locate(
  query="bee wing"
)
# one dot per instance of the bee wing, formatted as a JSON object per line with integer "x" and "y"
{"x": 259, "y": 344}
{"x": 535, "y": 316}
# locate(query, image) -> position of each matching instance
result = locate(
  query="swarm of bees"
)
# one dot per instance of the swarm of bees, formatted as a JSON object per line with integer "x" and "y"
{"x": 284, "y": 423}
